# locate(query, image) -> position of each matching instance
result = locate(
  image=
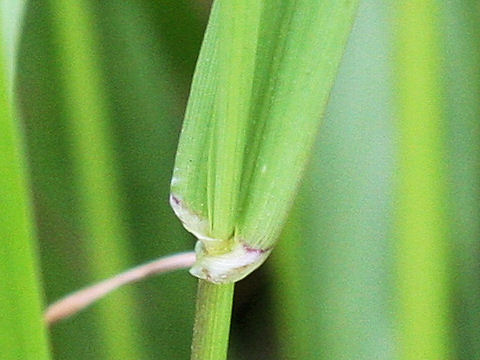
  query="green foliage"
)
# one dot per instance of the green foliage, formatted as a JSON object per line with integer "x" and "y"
{"x": 94, "y": 169}
{"x": 253, "y": 112}
{"x": 144, "y": 115}
{"x": 22, "y": 331}
{"x": 261, "y": 84}
{"x": 332, "y": 284}
{"x": 333, "y": 294}
{"x": 344, "y": 213}
{"x": 421, "y": 225}
{"x": 21, "y": 325}
{"x": 461, "y": 34}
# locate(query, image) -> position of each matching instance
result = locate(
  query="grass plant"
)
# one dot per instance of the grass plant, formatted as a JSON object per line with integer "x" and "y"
{"x": 379, "y": 259}
{"x": 333, "y": 263}
{"x": 422, "y": 250}
{"x": 22, "y": 331}
{"x": 94, "y": 166}
{"x": 261, "y": 84}
{"x": 461, "y": 43}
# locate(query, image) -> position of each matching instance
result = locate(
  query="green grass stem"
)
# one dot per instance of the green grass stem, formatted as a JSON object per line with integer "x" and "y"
{"x": 212, "y": 321}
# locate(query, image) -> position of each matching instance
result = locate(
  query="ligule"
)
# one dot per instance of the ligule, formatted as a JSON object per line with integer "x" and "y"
{"x": 261, "y": 84}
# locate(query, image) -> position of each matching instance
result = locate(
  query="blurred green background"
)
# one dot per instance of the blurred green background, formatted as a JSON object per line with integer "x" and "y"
{"x": 380, "y": 259}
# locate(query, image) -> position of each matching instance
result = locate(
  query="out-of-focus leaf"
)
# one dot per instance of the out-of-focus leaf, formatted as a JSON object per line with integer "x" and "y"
{"x": 22, "y": 330}
{"x": 423, "y": 253}
{"x": 461, "y": 27}
{"x": 331, "y": 290}
{"x": 146, "y": 87}
{"x": 94, "y": 167}
{"x": 11, "y": 13}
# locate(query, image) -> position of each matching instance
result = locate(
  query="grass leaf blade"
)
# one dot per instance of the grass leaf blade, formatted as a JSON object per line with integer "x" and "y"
{"x": 94, "y": 166}
{"x": 422, "y": 249}
{"x": 22, "y": 330}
